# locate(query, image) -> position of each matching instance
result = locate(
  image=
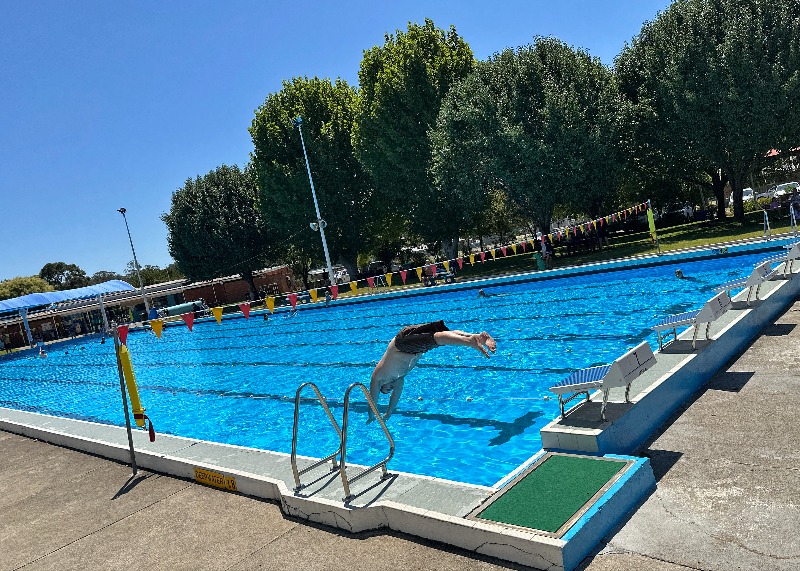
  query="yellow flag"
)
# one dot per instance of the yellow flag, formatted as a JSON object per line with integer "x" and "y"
{"x": 157, "y": 325}
{"x": 446, "y": 265}
{"x": 271, "y": 304}
{"x": 532, "y": 243}
{"x": 217, "y": 312}
{"x": 388, "y": 279}
{"x": 472, "y": 259}
{"x": 313, "y": 294}
{"x": 514, "y": 248}
{"x": 354, "y": 287}
{"x": 419, "y": 273}
{"x": 493, "y": 254}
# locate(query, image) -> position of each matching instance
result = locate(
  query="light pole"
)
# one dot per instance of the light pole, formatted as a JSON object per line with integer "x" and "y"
{"x": 320, "y": 223}
{"x": 135, "y": 262}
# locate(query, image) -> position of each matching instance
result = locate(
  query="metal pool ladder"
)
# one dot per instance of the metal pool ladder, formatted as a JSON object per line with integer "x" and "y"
{"x": 343, "y": 463}
{"x": 331, "y": 457}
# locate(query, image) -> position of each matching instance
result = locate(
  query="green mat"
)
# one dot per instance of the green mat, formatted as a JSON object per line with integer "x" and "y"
{"x": 554, "y": 491}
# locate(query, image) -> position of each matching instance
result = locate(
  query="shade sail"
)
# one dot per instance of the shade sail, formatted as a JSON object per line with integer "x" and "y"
{"x": 51, "y": 297}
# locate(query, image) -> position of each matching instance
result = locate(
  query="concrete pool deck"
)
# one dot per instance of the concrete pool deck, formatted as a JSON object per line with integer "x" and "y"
{"x": 422, "y": 506}
{"x": 726, "y": 465}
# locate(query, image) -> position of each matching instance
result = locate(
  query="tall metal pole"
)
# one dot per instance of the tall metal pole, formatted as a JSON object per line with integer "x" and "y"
{"x": 135, "y": 262}
{"x": 320, "y": 222}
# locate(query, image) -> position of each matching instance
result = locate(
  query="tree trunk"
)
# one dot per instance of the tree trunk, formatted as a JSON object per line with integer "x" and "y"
{"x": 247, "y": 275}
{"x": 450, "y": 247}
{"x": 736, "y": 188}
{"x": 718, "y": 182}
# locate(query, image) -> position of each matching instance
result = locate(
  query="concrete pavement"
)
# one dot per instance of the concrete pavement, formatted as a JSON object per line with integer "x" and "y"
{"x": 728, "y": 497}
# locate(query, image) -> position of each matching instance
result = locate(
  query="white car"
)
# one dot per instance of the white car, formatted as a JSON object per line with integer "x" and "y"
{"x": 785, "y": 188}
{"x": 747, "y": 194}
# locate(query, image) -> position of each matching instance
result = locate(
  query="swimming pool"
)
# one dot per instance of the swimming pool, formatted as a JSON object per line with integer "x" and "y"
{"x": 462, "y": 417}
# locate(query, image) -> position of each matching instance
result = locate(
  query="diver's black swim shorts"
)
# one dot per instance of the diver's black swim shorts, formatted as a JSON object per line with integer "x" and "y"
{"x": 416, "y": 339}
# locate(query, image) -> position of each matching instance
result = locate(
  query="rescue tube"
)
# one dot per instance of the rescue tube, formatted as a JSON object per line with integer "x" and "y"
{"x": 139, "y": 416}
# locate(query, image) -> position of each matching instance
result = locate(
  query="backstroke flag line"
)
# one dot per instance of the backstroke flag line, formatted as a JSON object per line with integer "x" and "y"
{"x": 651, "y": 221}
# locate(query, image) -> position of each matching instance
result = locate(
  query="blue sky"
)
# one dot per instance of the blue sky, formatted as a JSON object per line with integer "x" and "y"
{"x": 116, "y": 103}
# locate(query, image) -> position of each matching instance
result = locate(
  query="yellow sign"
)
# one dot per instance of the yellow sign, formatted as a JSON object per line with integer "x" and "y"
{"x": 210, "y": 478}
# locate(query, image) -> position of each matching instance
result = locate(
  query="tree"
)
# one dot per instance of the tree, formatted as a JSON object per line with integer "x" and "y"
{"x": 104, "y": 276}
{"x": 539, "y": 123}
{"x": 402, "y": 84}
{"x": 151, "y": 274}
{"x": 716, "y": 82}
{"x": 215, "y": 227}
{"x": 16, "y": 287}
{"x": 63, "y": 276}
{"x": 342, "y": 187}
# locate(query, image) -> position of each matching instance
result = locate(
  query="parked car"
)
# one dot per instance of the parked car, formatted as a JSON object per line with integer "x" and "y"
{"x": 783, "y": 189}
{"x": 747, "y": 194}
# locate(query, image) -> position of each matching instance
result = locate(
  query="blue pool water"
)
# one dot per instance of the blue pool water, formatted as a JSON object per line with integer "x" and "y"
{"x": 462, "y": 417}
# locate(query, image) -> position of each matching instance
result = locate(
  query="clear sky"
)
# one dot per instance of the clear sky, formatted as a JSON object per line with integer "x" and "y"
{"x": 109, "y": 104}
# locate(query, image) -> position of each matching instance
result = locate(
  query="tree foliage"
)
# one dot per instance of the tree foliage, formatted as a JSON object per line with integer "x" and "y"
{"x": 540, "y": 123}
{"x": 342, "y": 187}
{"x": 62, "y": 276}
{"x": 18, "y": 286}
{"x": 717, "y": 86}
{"x": 215, "y": 227}
{"x": 402, "y": 84}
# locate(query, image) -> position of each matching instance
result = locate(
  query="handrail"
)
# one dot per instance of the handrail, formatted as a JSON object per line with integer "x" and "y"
{"x": 343, "y": 464}
{"x": 332, "y": 457}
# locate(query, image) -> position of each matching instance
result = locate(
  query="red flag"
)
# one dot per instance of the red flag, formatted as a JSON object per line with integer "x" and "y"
{"x": 245, "y": 307}
{"x": 334, "y": 291}
{"x": 293, "y": 300}
{"x": 122, "y": 330}
{"x": 483, "y": 257}
{"x": 189, "y": 319}
{"x": 503, "y": 249}
{"x": 460, "y": 262}
{"x": 432, "y": 269}
{"x": 601, "y": 222}
{"x": 371, "y": 282}
{"x": 523, "y": 245}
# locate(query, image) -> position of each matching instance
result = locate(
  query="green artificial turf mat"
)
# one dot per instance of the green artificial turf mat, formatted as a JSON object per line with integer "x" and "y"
{"x": 548, "y": 496}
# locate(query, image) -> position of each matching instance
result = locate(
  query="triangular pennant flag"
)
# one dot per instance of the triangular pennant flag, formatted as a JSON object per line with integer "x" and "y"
{"x": 460, "y": 263}
{"x": 483, "y": 257}
{"x": 472, "y": 259}
{"x": 523, "y": 246}
{"x": 613, "y": 217}
{"x": 601, "y": 222}
{"x": 354, "y": 287}
{"x": 388, "y": 279}
{"x": 432, "y": 269}
{"x": 403, "y": 274}
{"x": 271, "y": 304}
{"x": 514, "y": 249}
{"x": 188, "y": 318}
{"x": 217, "y": 313}
{"x": 157, "y": 325}
{"x": 334, "y": 291}
{"x": 245, "y": 307}
{"x": 550, "y": 236}
{"x": 594, "y": 224}
{"x": 532, "y": 243}
{"x": 122, "y": 331}
{"x": 371, "y": 282}
{"x": 292, "y": 297}
{"x": 503, "y": 249}
{"x": 419, "y": 273}
{"x": 446, "y": 265}
{"x": 494, "y": 256}
{"x": 313, "y": 294}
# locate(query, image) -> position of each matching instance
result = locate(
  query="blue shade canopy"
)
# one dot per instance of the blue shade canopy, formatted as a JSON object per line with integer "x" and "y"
{"x": 51, "y": 297}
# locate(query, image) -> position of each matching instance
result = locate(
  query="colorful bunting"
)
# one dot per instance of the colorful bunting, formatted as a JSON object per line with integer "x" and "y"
{"x": 334, "y": 291}
{"x": 403, "y": 274}
{"x": 157, "y": 325}
{"x": 271, "y": 304}
{"x": 503, "y": 249}
{"x": 388, "y": 279}
{"x": 245, "y": 307}
{"x": 494, "y": 256}
{"x": 122, "y": 331}
{"x": 446, "y": 265}
{"x": 188, "y": 318}
{"x": 313, "y": 294}
{"x": 292, "y": 297}
{"x": 354, "y": 287}
{"x": 472, "y": 259}
{"x": 523, "y": 246}
{"x": 432, "y": 269}
{"x": 483, "y": 257}
{"x": 460, "y": 263}
{"x": 371, "y": 282}
{"x": 514, "y": 249}
{"x": 419, "y": 273}
{"x": 217, "y": 313}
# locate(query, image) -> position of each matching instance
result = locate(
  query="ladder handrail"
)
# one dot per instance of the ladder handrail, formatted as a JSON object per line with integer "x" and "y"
{"x": 343, "y": 462}
{"x": 331, "y": 457}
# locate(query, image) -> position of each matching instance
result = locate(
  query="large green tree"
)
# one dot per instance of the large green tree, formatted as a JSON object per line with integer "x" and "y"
{"x": 540, "y": 123}
{"x": 215, "y": 226}
{"x": 341, "y": 185}
{"x": 402, "y": 84}
{"x": 717, "y": 83}
{"x": 63, "y": 276}
{"x": 18, "y": 286}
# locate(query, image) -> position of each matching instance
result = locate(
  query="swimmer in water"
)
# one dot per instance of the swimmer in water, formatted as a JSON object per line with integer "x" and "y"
{"x": 404, "y": 351}
{"x": 679, "y": 274}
